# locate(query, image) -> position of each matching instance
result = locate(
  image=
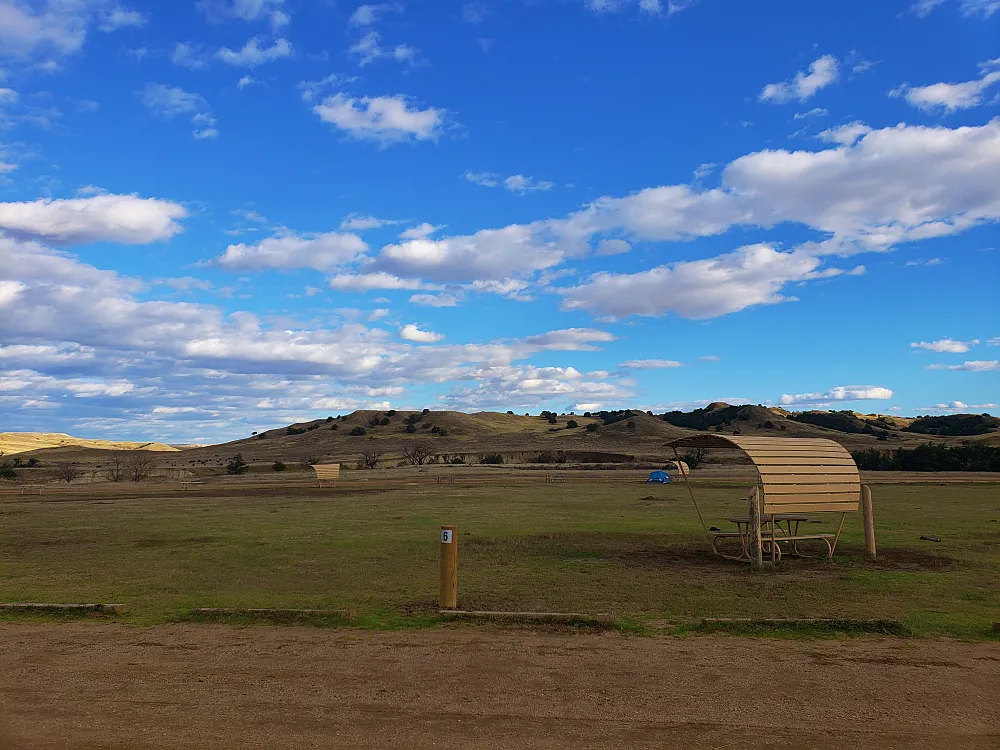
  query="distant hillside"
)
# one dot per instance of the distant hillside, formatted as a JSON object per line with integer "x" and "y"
{"x": 23, "y": 442}
{"x": 954, "y": 425}
{"x": 845, "y": 421}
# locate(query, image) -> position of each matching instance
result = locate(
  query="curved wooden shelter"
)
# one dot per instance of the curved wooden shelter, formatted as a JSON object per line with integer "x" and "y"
{"x": 796, "y": 476}
{"x": 326, "y": 472}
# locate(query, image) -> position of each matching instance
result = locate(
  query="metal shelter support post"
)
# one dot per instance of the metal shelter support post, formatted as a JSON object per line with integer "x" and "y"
{"x": 868, "y": 517}
{"x": 687, "y": 482}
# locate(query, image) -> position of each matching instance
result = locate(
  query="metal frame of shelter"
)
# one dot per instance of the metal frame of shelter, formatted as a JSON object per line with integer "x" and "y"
{"x": 794, "y": 476}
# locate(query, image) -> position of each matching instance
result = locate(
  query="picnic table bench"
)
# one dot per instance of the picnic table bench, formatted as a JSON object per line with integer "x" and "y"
{"x": 797, "y": 477}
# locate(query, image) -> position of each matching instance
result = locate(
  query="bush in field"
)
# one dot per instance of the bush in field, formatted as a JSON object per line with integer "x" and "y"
{"x": 236, "y": 465}
{"x": 278, "y": 465}
{"x": 572, "y": 423}
{"x": 695, "y": 458}
{"x": 357, "y": 431}
{"x": 384, "y": 421}
{"x": 592, "y": 427}
{"x": 410, "y": 428}
{"x": 491, "y": 458}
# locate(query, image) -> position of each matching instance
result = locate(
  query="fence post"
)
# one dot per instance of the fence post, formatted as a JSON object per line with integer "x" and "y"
{"x": 449, "y": 568}
{"x": 868, "y": 517}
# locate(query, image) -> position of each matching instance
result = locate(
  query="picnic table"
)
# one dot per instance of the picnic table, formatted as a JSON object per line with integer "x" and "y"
{"x": 772, "y": 530}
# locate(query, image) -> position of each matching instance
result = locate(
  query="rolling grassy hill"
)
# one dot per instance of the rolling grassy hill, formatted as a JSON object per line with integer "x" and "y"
{"x": 24, "y": 442}
{"x": 598, "y": 438}
{"x": 521, "y": 438}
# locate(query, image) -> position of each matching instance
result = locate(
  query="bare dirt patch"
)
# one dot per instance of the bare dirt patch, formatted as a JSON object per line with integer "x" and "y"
{"x": 186, "y": 686}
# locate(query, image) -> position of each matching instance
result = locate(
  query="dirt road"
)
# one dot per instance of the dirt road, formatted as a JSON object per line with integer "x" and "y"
{"x": 94, "y": 686}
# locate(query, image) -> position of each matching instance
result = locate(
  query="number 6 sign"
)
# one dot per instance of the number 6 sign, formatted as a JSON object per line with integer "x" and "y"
{"x": 446, "y": 535}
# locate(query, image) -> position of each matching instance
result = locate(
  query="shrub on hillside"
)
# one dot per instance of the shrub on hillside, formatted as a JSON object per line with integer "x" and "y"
{"x": 572, "y": 423}
{"x": 384, "y": 421}
{"x": 358, "y": 431}
{"x": 551, "y": 457}
{"x": 592, "y": 427}
{"x": 491, "y": 458}
{"x": 410, "y": 428}
{"x": 293, "y": 430}
{"x": 237, "y": 465}
{"x": 278, "y": 466}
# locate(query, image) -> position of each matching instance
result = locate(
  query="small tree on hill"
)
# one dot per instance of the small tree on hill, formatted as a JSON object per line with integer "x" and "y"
{"x": 695, "y": 458}
{"x": 417, "y": 454}
{"x": 139, "y": 465}
{"x": 114, "y": 469}
{"x": 572, "y": 423}
{"x": 237, "y": 465}
{"x": 370, "y": 457}
{"x": 357, "y": 431}
{"x": 6, "y": 470}
{"x": 69, "y": 472}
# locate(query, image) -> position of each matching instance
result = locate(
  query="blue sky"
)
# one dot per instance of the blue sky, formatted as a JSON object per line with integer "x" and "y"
{"x": 227, "y": 215}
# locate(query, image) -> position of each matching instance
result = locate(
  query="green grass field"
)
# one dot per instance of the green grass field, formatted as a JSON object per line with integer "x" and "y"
{"x": 634, "y": 551}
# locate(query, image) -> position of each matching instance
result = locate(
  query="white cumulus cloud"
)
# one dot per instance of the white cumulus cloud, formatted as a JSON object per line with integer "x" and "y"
{"x": 410, "y": 332}
{"x": 321, "y": 252}
{"x": 949, "y": 97}
{"x": 253, "y": 54}
{"x": 840, "y": 393}
{"x": 976, "y": 365}
{"x": 386, "y": 119}
{"x": 945, "y": 345}
{"x": 822, "y": 72}
{"x": 127, "y": 219}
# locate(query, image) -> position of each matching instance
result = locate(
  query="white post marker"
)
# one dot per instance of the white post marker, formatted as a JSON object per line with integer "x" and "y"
{"x": 449, "y": 568}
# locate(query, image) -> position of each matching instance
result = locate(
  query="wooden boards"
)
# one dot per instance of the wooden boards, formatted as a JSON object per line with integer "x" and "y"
{"x": 326, "y": 472}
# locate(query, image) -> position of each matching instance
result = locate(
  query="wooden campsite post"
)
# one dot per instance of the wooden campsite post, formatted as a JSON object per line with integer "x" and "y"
{"x": 869, "y": 520}
{"x": 449, "y": 568}
{"x": 756, "y": 547}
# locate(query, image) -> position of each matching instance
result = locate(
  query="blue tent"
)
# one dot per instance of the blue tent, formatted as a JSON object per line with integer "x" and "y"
{"x": 658, "y": 476}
